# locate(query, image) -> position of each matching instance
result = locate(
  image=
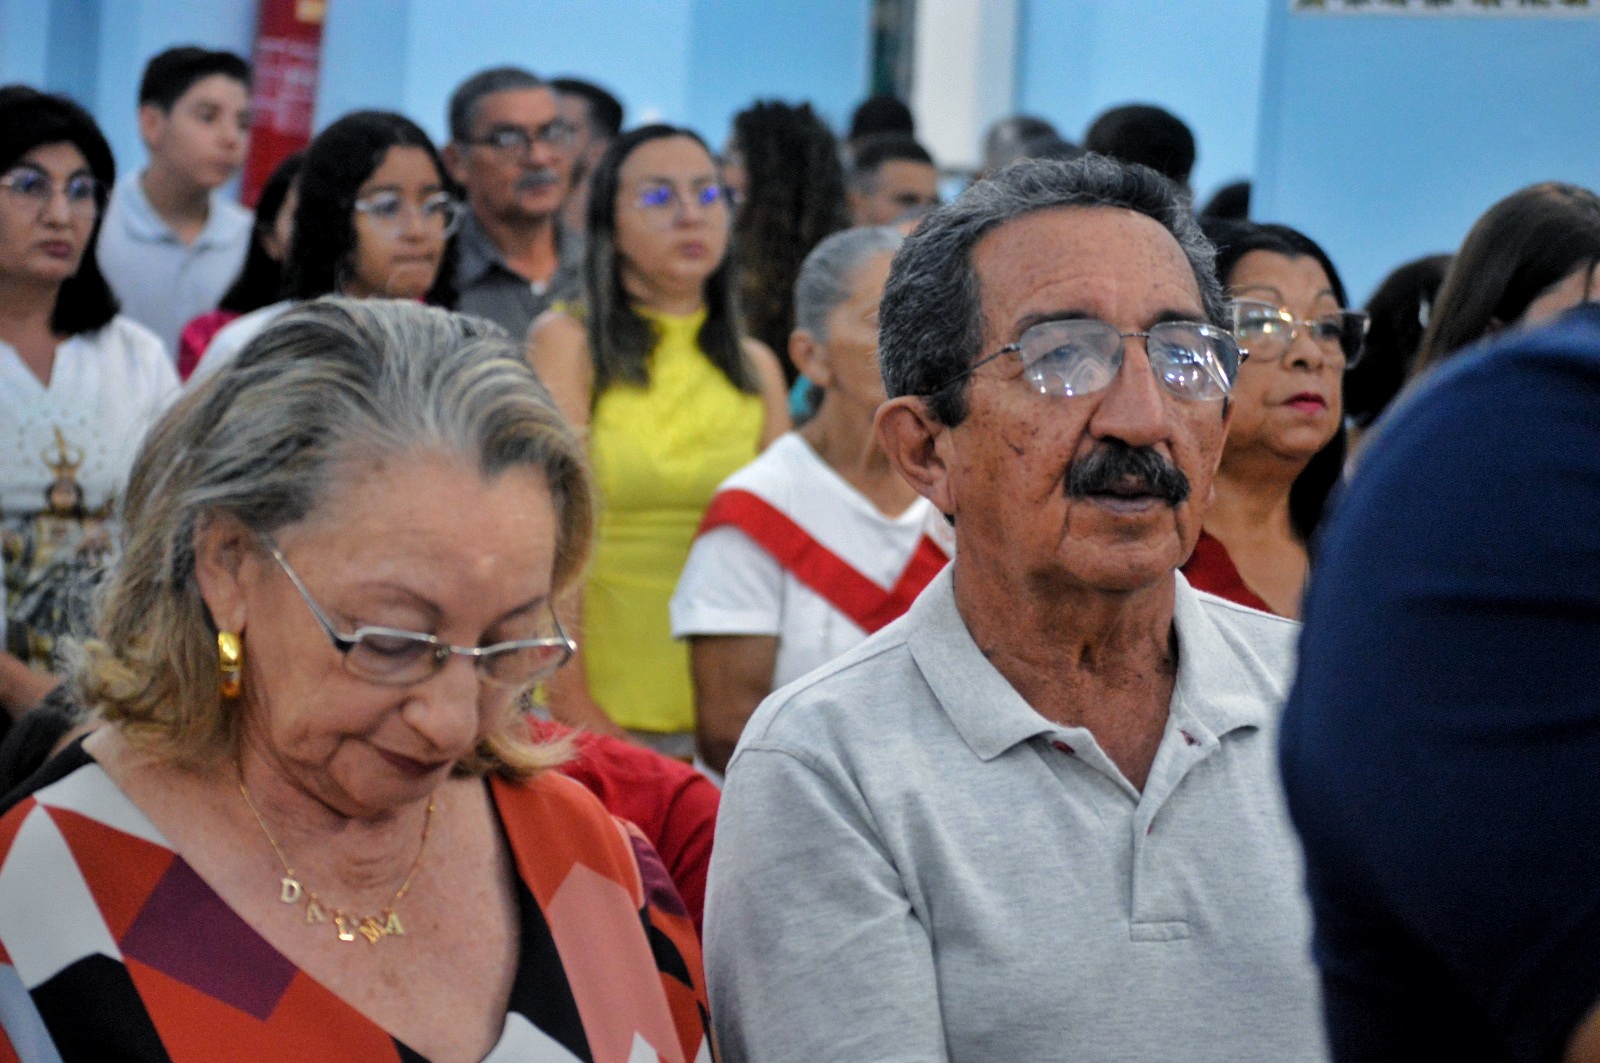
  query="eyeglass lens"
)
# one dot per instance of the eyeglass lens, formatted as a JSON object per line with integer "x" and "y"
{"x": 1266, "y": 332}
{"x": 33, "y": 183}
{"x": 390, "y": 208}
{"x": 1193, "y": 361}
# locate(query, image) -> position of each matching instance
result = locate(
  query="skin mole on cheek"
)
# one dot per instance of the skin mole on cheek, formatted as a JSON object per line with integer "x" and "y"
{"x": 1017, "y": 449}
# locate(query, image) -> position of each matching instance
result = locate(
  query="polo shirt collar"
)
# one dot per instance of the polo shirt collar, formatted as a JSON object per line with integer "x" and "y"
{"x": 992, "y": 717}
{"x": 985, "y": 709}
{"x": 140, "y": 217}
{"x": 478, "y": 254}
{"x": 222, "y": 223}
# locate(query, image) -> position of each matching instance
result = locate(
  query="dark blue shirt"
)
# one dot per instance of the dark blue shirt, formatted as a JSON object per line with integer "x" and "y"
{"x": 1441, "y": 747}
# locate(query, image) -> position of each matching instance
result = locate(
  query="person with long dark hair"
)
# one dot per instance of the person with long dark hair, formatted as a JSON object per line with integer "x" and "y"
{"x": 373, "y": 220}
{"x": 782, "y": 162}
{"x": 655, "y": 367}
{"x": 79, "y": 383}
{"x": 1286, "y": 444}
{"x": 1532, "y": 255}
{"x": 260, "y": 281}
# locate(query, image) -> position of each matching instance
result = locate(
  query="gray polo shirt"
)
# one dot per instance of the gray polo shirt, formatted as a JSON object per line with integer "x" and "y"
{"x": 912, "y": 864}
{"x": 489, "y": 288}
{"x": 162, "y": 282}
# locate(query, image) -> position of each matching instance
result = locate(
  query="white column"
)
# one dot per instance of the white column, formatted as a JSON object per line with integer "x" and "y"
{"x": 963, "y": 74}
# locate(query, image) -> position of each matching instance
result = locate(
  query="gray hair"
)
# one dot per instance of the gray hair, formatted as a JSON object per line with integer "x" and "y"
{"x": 464, "y": 100}
{"x": 931, "y": 319}
{"x": 828, "y": 273}
{"x": 262, "y": 442}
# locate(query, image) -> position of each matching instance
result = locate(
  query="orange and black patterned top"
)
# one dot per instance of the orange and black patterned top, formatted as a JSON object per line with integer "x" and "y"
{"x": 113, "y": 948}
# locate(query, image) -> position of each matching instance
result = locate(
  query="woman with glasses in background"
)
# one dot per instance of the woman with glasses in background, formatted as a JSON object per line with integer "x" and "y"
{"x": 373, "y": 220}
{"x": 1285, "y": 446}
{"x": 79, "y": 384}
{"x": 314, "y": 824}
{"x": 674, "y": 398}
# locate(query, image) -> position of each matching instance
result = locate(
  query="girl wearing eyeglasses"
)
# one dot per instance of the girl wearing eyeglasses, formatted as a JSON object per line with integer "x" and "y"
{"x": 674, "y": 398}
{"x": 1285, "y": 446}
{"x": 78, "y": 384}
{"x": 373, "y": 219}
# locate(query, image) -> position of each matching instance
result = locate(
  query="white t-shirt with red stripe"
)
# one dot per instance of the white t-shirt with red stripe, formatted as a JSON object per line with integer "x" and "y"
{"x": 789, "y": 548}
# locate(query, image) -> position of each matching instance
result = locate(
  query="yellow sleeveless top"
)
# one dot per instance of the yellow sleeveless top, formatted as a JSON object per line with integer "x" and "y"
{"x": 658, "y": 453}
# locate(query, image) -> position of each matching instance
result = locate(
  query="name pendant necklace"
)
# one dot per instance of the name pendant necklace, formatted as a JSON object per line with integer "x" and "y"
{"x": 386, "y": 923}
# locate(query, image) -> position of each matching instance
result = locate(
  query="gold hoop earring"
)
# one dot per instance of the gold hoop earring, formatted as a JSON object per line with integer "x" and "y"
{"x": 230, "y": 663}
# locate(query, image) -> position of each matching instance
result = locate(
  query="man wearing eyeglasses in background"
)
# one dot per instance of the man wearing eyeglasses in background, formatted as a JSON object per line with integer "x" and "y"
{"x": 1038, "y": 817}
{"x": 510, "y": 149}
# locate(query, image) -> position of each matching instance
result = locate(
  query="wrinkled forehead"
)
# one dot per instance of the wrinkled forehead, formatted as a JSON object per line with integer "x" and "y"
{"x": 1104, "y": 262}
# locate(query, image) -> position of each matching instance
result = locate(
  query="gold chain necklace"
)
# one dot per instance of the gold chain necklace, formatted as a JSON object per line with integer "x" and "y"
{"x": 372, "y": 927}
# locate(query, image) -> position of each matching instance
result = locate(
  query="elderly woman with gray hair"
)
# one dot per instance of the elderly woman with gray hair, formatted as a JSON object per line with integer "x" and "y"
{"x": 314, "y": 823}
{"x": 818, "y": 542}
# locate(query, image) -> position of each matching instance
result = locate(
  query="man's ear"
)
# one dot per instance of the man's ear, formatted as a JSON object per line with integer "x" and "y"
{"x": 455, "y": 163}
{"x": 227, "y": 561}
{"x": 810, "y": 357}
{"x": 917, "y": 444}
{"x": 152, "y": 120}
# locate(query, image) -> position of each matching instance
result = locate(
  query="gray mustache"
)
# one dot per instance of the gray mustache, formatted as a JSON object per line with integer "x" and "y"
{"x": 1114, "y": 464}
{"x": 535, "y": 179}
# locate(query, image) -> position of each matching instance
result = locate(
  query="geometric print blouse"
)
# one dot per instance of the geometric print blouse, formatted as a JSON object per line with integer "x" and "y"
{"x": 112, "y": 948}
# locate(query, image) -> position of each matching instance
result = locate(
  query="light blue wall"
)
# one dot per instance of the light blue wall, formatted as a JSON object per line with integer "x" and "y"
{"x": 94, "y": 51}
{"x": 794, "y": 50}
{"x": 1201, "y": 61}
{"x": 684, "y": 61}
{"x": 1385, "y": 138}
{"x": 409, "y": 55}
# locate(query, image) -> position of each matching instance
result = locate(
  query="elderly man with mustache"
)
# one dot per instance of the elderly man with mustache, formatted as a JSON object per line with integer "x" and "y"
{"x": 512, "y": 152}
{"x": 1038, "y": 817}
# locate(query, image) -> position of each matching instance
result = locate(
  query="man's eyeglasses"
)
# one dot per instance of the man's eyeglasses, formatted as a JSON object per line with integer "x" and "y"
{"x": 662, "y": 202}
{"x": 396, "y": 657}
{"x": 35, "y": 186}
{"x": 1079, "y": 356}
{"x": 515, "y": 140}
{"x": 1266, "y": 332}
{"x": 439, "y": 211}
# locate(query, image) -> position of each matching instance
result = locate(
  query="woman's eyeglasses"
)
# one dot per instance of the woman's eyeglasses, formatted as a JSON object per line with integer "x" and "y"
{"x": 32, "y": 185}
{"x": 662, "y": 202}
{"x": 1266, "y": 332}
{"x": 439, "y": 212}
{"x": 396, "y": 657}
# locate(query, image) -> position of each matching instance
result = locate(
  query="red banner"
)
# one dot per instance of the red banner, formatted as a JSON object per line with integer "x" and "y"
{"x": 288, "y": 55}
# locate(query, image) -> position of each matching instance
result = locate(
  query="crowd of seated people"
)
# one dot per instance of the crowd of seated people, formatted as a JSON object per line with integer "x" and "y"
{"x": 395, "y": 577}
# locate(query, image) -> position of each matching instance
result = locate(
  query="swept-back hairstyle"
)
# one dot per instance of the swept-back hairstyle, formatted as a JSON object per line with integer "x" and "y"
{"x": 463, "y": 109}
{"x": 338, "y": 162}
{"x": 169, "y": 74}
{"x": 605, "y": 110}
{"x": 260, "y": 282}
{"x": 931, "y": 320}
{"x": 620, "y": 338}
{"x": 1522, "y": 245}
{"x": 263, "y": 442}
{"x": 829, "y": 271}
{"x": 1308, "y": 496}
{"x": 796, "y": 197}
{"x": 31, "y": 119}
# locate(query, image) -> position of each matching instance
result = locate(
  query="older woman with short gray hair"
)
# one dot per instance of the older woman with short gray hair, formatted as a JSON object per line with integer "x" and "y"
{"x": 314, "y": 824}
{"x": 818, "y": 542}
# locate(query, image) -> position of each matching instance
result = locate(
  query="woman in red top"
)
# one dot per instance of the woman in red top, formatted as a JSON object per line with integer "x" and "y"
{"x": 1285, "y": 447}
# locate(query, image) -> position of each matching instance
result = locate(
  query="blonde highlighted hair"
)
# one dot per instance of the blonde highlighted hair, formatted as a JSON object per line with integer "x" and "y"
{"x": 259, "y": 442}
